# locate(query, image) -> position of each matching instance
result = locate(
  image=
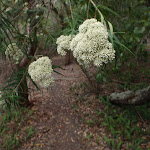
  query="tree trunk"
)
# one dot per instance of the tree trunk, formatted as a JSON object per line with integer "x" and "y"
{"x": 131, "y": 97}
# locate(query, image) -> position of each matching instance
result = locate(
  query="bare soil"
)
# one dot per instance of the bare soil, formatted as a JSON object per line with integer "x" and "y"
{"x": 57, "y": 126}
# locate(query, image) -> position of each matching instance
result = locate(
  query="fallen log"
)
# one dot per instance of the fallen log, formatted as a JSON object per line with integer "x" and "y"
{"x": 131, "y": 97}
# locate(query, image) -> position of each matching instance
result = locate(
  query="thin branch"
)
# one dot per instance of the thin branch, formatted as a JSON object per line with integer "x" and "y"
{"x": 71, "y": 9}
{"x": 102, "y": 18}
{"x": 88, "y": 9}
{"x": 56, "y": 11}
{"x": 67, "y": 10}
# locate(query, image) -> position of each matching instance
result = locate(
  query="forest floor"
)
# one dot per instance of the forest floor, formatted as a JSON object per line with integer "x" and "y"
{"x": 57, "y": 125}
{"x": 68, "y": 116}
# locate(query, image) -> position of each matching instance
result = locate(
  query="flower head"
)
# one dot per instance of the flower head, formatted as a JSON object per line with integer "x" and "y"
{"x": 13, "y": 51}
{"x": 41, "y": 71}
{"x": 63, "y": 43}
{"x": 91, "y": 46}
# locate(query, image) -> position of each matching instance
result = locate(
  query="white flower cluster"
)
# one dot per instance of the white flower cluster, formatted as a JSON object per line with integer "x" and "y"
{"x": 91, "y": 46}
{"x": 13, "y": 51}
{"x": 63, "y": 44}
{"x": 41, "y": 71}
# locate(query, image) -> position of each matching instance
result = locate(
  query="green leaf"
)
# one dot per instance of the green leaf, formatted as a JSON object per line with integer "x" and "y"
{"x": 107, "y": 141}
{"x": 122, "y": 45}
{"x": 58, "y": 73}
{"x": 111, "y": 29}
{"x": 4, "y": 30}
{"x": 110, "y": 10}
{"x": 54, "y": 67}
{"x": 33, "y": 82}
{"x": 119, "y": 145}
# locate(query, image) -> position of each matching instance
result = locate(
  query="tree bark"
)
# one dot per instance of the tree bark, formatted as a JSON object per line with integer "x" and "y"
{"x": 131, "y": 97}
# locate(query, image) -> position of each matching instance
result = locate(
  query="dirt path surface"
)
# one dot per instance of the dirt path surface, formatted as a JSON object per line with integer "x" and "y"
{"x": 57, "y": 125}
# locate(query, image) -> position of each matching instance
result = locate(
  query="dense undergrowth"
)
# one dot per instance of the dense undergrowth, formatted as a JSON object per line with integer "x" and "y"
{"x": 121, "y": 126}
{"x": 15, "y": 128}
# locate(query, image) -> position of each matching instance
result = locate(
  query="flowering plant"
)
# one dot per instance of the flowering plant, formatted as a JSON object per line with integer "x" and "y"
{"x": 13, "y": 51}
{"x": 41, "y": 71}
{"x": 91, "y": 46}
{"x": 63, "y": 43}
